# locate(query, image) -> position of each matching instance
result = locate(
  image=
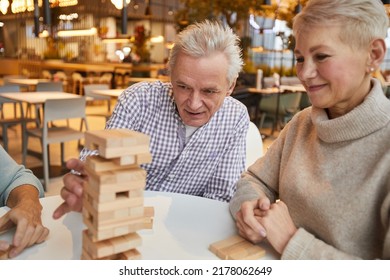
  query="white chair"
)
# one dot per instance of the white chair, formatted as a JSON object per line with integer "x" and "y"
{"x": 3, "y": 101}
{"x": 49, "y": 86}
{"x": 93, "y": 97}
{"x": 57, "y": 109}
{"x": 254, "y": 145}
{"x": 8, "y": 122}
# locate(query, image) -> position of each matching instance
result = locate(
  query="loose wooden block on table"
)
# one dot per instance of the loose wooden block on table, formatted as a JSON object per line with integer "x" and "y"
{"x": 236, "y": 248}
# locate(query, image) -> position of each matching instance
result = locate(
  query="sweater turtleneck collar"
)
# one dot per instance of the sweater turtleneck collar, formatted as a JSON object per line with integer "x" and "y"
{"x": 368, "y": 117}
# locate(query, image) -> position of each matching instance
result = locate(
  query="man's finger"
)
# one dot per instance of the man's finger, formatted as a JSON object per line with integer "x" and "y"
{"x": 61, "y": 210}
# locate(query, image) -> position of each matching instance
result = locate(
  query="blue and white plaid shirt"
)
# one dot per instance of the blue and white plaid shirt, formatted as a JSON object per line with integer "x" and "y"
{"x": 208, "y": 165}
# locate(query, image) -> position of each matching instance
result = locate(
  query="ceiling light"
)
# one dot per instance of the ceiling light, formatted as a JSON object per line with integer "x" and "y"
{"x": 77, "y": 32}
{"x": 119, "y": 3}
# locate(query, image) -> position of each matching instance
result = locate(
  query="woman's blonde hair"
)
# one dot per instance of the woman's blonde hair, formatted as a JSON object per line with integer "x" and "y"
{"x": 361, "y": 20}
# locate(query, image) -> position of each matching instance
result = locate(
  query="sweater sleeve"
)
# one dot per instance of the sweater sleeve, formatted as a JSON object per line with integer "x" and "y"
{"x": 261, "y": 179}
{"x": 385, "y": 219}
{"x": 14, "y": 175}
{"x": 304, "y": 246}
{"x": 249, "y": 188}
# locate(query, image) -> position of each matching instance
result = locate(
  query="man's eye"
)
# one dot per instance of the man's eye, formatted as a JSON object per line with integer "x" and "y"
{"x": 299, "y": 60}
{"x": 210, "y": 91}
{"x": 183, "y": 87}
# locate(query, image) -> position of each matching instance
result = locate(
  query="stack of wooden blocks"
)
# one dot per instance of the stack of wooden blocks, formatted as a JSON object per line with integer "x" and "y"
{"x": 113, "y": 202}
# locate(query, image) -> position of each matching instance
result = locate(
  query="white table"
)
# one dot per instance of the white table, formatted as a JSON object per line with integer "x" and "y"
{"x": 108, "y": 92}
{"x": 184, "y": 226}
{"x": 38, "y": 97}
{"x": 29, "y": 83}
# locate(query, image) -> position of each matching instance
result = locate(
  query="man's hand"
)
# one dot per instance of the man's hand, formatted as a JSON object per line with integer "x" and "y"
{"x": 72, "y": 192}
{"x": 25, "y": 213}
{"x": 247, "y": 219}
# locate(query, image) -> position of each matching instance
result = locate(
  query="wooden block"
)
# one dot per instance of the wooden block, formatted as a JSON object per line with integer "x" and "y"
{"x": 216, "y": 246}
{"x": 236, "y": 248}
{"x": 119, "y": 203}
{"x": 119, "y": 152}
{"x": 108, "y": 233}
{"x": 132, "y": 254}
{"x": 85, "y": 255}
{"x": 113, "y": 215}
{"x": 96, "y": 218}
{"x": 115, "y": 143}
{"x": 134, "y": 159}
{"x": 118, "y": 137}
{"x": 109, "y": 247}
{"x": 96, "y": 249}
{"x": 114, "y": 228}
{"x": 124, "y": 190}
{"x": 100, "y": 164}
{"x": 134, "y": 175}
{"x": 107, "y": 188}
{"x": 4, "y": 255}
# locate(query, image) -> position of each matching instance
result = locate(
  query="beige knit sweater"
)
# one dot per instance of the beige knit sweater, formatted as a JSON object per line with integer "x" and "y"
{"x": 334, "y": 176}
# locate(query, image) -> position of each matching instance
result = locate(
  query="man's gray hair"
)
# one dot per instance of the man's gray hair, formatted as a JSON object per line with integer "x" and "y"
{"x": 206, "y": 38}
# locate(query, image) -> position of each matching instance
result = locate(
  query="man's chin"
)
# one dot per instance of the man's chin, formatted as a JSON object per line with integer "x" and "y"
{"x": 195, "y": 122}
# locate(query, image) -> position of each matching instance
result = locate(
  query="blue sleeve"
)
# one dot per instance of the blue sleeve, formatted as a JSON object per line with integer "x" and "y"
{"x": 13, "y": 175}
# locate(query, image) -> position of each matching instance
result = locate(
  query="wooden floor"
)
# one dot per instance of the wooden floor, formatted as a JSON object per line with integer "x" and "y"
{"x": 71, "y": 148}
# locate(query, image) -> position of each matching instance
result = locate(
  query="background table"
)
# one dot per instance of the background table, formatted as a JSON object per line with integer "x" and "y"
{"x": 184, "y": 226}
{"x": 108, "y": 92}
{"x": 38, "y": 99}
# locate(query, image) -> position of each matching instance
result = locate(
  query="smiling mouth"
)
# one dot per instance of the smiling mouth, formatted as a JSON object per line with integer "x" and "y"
{"x": 315, "y": 87}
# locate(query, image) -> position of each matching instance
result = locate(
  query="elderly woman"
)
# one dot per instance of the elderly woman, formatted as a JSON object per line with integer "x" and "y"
{"x": 322, "y": 191}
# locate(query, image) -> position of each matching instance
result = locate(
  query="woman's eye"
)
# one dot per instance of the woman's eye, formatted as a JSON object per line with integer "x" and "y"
{"x": 321, "y": 57}
{"x": 299, "y": 60}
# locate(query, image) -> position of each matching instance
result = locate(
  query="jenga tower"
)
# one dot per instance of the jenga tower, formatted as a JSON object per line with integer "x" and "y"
{"x": 113, "y": 202}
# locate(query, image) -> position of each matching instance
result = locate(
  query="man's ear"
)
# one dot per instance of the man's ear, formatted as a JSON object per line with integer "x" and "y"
{"x": 377, "y": 52}
{"x": 231, "y": 88}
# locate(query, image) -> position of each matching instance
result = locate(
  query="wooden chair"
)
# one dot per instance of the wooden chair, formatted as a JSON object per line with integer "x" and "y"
{"x": 55, "y": 110}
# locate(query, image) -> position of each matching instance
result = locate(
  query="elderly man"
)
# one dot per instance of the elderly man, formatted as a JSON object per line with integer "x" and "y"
{"x": 197, "y": 131}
